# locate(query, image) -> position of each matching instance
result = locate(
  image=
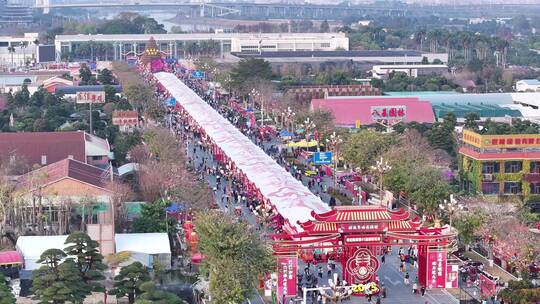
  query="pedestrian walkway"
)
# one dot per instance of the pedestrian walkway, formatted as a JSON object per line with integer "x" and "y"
{"x": 397, "y": 291}
{"x": 494, "y": 270}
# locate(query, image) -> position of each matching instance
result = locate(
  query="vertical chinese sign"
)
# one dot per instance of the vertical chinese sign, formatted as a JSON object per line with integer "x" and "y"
{"x": 287, "y": 272}
{"x": 436, "y": 269}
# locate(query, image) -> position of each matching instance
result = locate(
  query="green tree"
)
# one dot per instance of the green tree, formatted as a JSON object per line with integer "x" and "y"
{"x": 85, "y": 74}
{"x": 471, "y": 120}
{"x": 139, "y": 95}
{"x": 428, "y": 190}
{"x": 364, "y": 147}
{"x": 520, "y": 292}
{"x": 58, "y": 283}
{"x": 110, "y": 93}
{"x": 122, "y": 144}
{"x": 325, "y": 27}
{"x": 84, "y": 252}
{"x": 441, "y": 136}
{"x": 248, "y": 72}
{"x": 6, "y": 297}
{"x": 105, "y": 77}
{"x": 467, "y": 225}
{"x": 128, "y": 282}
{"x": 235, "y": 256}
{"x": 152, "y": 218}
{"x": 150, "y": 295}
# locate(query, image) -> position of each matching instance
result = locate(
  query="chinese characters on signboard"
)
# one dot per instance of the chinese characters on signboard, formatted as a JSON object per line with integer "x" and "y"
{"x": 388, "y": 112}
{"x": 501, "y": 141}
{"x": 91, "y": 97}
{"x": 287, "y": 271}
{"x": 322, "y": 158}
{"x": 436, "y": 269}
{"x": 362, "y": 227}
{"x": 365, "y": 239}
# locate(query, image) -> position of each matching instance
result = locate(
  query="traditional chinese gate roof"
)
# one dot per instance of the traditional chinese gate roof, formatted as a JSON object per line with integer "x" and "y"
{"x": 360, "y": 219}
{"x": 345, "y": 214}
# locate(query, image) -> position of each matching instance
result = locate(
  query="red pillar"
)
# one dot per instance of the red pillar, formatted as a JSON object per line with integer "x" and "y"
{"x": 422, "y": 264}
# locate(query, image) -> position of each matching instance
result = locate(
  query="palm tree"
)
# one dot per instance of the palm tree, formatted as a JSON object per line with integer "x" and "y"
{"x": 419, "y": 37}
{"x": 466, "y": 41}
{"x": 11, "y": 50}
{"x": 434, "y": 36}
{"x": 481, "y": 46}
{"x": 501, "y": 45}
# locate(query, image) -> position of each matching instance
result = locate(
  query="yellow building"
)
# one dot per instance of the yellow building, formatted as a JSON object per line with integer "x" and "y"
{"x": 500, "y": 164}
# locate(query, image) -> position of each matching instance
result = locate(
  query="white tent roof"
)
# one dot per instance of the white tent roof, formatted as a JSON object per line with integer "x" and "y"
{"x": 32, "y": 246}
{"x": 290, "y": 197}
{"x": 149, "y": 243}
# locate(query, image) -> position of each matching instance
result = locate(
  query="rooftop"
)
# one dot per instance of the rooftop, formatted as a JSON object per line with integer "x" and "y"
{"x": 84, "y": 88}
{"x": 54, "y": 145}
{"x": 193, "y": 36}
{"x": 409, "y": 66}
{"x": 67, "y": 168}
{"x": 530, "y": 81}
{"x": 335, "y": 54}
{"x": 149, "y": 243}
{"x": 348, "y": 110}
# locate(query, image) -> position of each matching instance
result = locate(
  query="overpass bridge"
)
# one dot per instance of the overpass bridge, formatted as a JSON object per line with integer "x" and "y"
{"x": 294, "y": 11}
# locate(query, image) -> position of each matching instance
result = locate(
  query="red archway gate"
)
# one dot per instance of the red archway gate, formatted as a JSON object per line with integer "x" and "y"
{"x": 356, "y": 235}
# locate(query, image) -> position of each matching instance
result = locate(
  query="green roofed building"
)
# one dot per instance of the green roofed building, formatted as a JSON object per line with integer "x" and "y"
{"x": 497, "y": 106}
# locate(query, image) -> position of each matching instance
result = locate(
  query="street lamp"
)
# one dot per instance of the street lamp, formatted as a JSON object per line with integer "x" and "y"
{"x": 288, "y": 117}
{"x": 381, "y": 167}
{"x": 451, "y": 207}
{"x": 337, "y": 292}
{"x": 358, "y": 187}
{"x": 333, "y": 143}
{"x": 308, "y": 125}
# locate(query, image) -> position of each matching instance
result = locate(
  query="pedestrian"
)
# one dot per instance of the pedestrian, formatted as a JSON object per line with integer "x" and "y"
{"x": 406, "y": 279}
{"x": 422, "y": 290}
{"x": 383, "y": 259}
{"x": 383, "y": 290}
{"x": 402, "y": 267}
{"x": 328, "y": 269}
{"x": 414, "y": 288}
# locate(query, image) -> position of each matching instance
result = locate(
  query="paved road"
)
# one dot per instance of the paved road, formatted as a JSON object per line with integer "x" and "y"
{"x": 397, "y": 291}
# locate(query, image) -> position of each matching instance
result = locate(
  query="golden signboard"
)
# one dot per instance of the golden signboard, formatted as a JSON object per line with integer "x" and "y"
{"x": 501, "y": 141}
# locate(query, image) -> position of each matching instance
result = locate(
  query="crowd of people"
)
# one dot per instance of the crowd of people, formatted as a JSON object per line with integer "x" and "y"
{"x": 233, "y": 196}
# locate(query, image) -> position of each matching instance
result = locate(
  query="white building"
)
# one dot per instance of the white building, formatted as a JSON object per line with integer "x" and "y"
{"x": 24, "y": 49}
{"x": 528, "y": 85}
{"x": 175, "y": 44}
{"x": 288, "y": 42}
{"x": 147, "y": 248}
{"x": 412, "y": 70}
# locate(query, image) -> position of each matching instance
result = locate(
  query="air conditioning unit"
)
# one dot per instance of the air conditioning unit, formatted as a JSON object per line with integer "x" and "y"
{"x": 487, "y": 177}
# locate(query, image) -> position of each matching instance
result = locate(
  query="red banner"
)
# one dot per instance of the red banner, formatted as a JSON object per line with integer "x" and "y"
{"x": 436, "y": 269}
{"x": 287, "y": 272}
{"x": 488, "y": 287}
